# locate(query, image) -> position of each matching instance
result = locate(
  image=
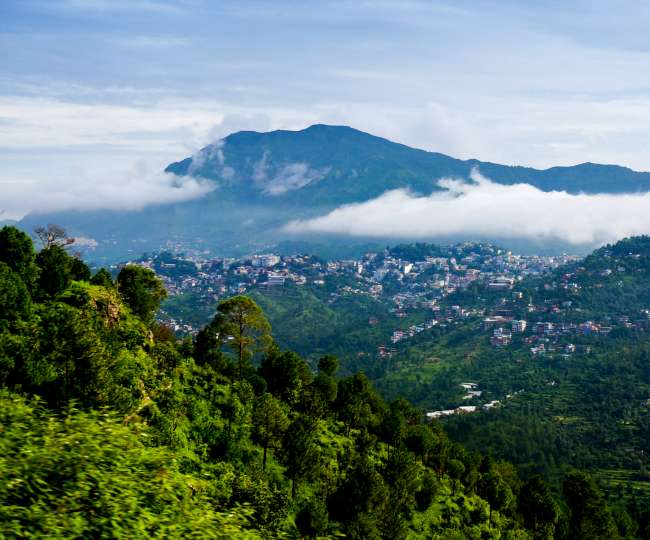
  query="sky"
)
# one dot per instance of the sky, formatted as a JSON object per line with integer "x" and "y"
{"x": 97, "y": 96}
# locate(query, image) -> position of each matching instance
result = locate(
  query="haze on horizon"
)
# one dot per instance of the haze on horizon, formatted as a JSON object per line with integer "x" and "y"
{"x": 97, "y": 96}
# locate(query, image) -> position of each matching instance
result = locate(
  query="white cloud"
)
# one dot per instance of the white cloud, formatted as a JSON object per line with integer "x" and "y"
{"x": 151, "y": 6}
{"x": 50, "y": 123}
{"x": 294, "y": 176}
{"x": 132, "y": 190}
{"x": 484, "y": 209}
{"x": 259, "y": 169}
{"x": 207, "y": 155}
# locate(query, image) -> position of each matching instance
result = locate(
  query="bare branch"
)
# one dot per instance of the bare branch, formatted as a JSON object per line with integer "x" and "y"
{"x": 53, "y": 235}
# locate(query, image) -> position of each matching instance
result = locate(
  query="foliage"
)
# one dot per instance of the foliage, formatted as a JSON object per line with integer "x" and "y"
{"x": 55, "y": 271}
{"x": 270, "y": 422}
{"x": 87, "y": 475}
{"x": 241, "y": 326}
{"x": 141, "y": 291}
{"x": 17, "y": 251}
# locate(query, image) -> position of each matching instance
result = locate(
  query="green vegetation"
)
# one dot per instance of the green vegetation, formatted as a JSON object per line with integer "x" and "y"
{"x": 111, "y": 427}
{"x": 75, "y": 474}
{"x": 312, "y": 323}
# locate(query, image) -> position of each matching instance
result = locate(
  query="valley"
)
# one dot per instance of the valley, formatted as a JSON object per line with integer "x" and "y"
{"x": 555, "y": 348}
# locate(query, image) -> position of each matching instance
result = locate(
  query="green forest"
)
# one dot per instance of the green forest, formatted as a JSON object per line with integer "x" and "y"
{"x": 113, "y": 427}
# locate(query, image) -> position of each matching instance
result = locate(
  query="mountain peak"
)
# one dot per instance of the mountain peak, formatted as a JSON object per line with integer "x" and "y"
{"x": 330, "y": 127}
{"x": 315, "y": 130}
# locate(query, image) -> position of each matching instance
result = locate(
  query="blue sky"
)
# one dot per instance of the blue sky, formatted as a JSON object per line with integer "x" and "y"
{"x": 96, "y": 96}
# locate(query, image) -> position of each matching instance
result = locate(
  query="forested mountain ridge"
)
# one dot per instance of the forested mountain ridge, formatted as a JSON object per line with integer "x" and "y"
{"x": 333, "y": 165}
{"x": 111, "y": 427}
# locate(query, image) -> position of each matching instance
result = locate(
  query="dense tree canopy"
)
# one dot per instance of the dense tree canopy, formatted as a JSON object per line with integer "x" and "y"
{"x": 17, "y": 251}
{"x": 142, "y": 291}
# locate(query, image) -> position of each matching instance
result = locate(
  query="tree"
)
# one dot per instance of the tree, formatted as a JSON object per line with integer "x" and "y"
{"x": 360, "y": 498}
{"x": 496, "y": 491}
{"x": 357, "y": 402}
{"x": 103, "y": 278}
{"x": 79, "y": 270}
{"x": 420, "y": 440}
{"x": 141, "y": 290}
{"x": 317, "y": 397}
{"x": 15, "y": 302}
{"x": 325, "y": 383}
{"x": 270, "y": 421}
{"x": 53, "y": 235}
{"x": 589, "y": 515}
{"x": 299, "y": 452}
{"x": 539, "y": 508}
{"x": 68, "y": 361}
{"x": 429, "y": 487}
{"x": 242, "y": 326}
{"x": 328, "y": 365}
{"x": 207, "y": 349}
{"x": 401, "y": 475}
{"x": 312, "y": 519}
{"x": 393, "y": 427}
{"x": 17, "y": 251}
{"x": 285, "y": 373}
{"x": 55, "y": 275}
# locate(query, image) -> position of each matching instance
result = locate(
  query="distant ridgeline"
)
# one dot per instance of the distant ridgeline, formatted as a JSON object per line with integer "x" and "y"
{"x": 111, "y": 427}
{"x": 264, "y": 180}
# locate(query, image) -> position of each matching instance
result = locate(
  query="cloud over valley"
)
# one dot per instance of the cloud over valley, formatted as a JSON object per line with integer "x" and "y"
{"x": 484, "y": 209}
{"x": 131, "y": 190}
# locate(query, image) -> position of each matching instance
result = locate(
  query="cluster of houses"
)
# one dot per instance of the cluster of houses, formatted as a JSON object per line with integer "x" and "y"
{"x": 543, "y": 337}
{"x": 404, "y": 285}
{"x": 414, "y": 329}
{"x": 472, "y": 392}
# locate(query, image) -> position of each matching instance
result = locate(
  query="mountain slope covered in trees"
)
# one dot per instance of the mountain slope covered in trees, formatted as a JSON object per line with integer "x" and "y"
{"x": 580, "y": 402}
{"x": 334, "y": 165}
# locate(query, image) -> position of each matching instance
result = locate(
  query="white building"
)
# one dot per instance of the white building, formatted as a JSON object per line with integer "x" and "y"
{"x": 519, "y": 326}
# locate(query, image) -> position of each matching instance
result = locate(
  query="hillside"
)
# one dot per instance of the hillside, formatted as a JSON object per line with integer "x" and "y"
{"x": 572, "y": 387}
{"x": 567, "y": 387}
{"x": 111, "y": 427}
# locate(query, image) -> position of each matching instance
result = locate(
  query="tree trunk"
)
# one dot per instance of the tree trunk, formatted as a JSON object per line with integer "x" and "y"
{"x": 264, "y": 460}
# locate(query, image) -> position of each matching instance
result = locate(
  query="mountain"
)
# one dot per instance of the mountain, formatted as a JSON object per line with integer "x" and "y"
{"x": 335, "y": 165}
{"x": 264, "y": 180}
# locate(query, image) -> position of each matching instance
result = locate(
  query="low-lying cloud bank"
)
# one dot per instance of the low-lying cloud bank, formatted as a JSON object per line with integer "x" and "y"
{"x": 131, "y": 191}
{"x": 485, "y": 209}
